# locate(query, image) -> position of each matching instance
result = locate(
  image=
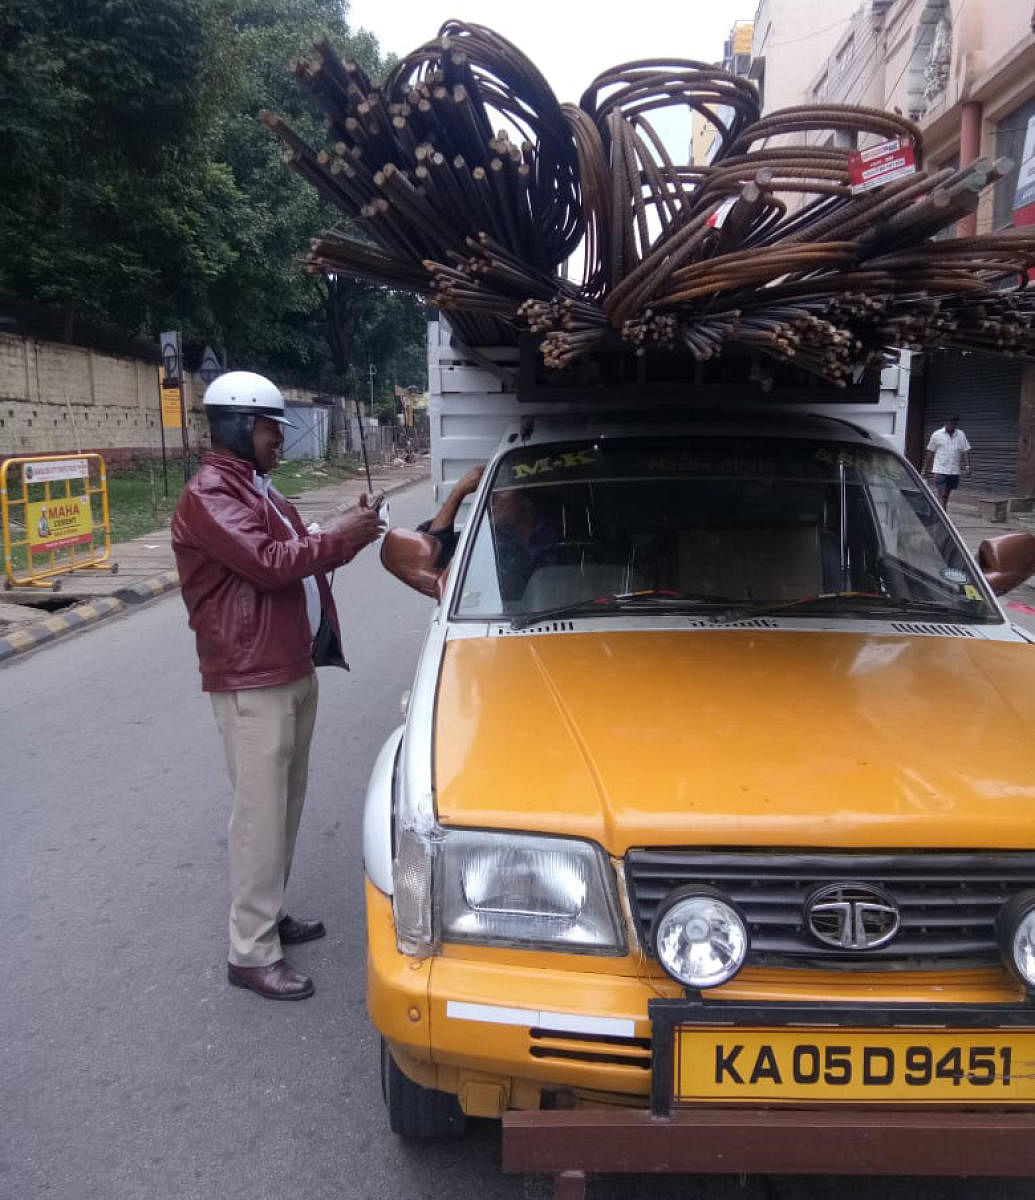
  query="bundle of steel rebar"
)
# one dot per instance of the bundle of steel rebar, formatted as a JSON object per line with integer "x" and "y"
{"x": 462, "y": 178}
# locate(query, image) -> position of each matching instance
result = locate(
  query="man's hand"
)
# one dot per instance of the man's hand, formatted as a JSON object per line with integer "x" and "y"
{"x": 361, "y": 525}
{"x": 463, "y": 487}
{"x": 468, "y": 483}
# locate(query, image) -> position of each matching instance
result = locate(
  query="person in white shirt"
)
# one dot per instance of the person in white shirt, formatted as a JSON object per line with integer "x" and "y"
{"x": 947, "y": 457}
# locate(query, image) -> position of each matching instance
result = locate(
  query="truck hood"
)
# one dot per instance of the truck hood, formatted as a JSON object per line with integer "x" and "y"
{"x": 740, "y": 738}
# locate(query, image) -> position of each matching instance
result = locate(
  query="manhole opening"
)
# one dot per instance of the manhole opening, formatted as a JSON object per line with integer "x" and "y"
{"x": 48, "y": 604}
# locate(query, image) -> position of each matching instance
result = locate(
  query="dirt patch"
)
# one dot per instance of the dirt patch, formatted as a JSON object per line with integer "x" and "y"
{"x": 16, "y": 616}
{"x": 13, "y": 615}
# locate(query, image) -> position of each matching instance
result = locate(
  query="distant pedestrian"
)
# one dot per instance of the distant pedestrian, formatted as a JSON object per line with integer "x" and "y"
{"x": 947, "y": 457}
{"x": 254, "y": 582}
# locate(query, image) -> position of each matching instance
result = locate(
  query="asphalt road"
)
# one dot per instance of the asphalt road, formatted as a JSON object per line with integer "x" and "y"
{"x": 131, "y": 1071}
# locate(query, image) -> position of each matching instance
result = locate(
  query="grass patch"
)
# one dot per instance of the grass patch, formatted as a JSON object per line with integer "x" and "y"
{"x": 135, "y": 507}
{"x": 305, "y": 474}
{"x": 134, "y": 511}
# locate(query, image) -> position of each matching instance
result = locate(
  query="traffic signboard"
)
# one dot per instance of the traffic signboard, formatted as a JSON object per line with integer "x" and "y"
{"x": 210, "y": 367}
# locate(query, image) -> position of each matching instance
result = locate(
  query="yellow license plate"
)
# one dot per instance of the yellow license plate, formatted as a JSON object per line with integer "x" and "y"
{"x": 990, "y": 1066}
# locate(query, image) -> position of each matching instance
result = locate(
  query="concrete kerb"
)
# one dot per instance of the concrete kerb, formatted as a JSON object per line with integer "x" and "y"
{"x": 147, "y": 589}
{"x": 20, "y": 641}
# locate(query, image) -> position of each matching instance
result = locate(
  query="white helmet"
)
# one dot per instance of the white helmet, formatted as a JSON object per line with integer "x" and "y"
{"x": 246, "y": 392}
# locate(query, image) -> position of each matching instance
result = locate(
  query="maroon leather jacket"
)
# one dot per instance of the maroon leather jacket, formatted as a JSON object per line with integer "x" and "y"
{"x": 241, "y": 578}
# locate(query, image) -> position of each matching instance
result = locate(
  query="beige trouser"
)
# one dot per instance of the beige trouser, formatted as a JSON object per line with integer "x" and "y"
{"x": 266, "y": 735}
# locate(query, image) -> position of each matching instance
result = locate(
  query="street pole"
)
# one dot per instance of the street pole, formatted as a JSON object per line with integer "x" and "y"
{"x": 363, "y": 443}
{"x": 183, "y": 430}
{"x": 161, "y": 430}
{"x": 172, "y": 360}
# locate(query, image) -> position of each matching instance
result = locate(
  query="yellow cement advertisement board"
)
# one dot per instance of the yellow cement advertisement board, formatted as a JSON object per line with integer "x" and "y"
{"x": 55, "y": 524}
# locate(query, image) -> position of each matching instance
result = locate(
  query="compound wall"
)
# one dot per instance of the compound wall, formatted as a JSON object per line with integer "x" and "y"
{"x": 56, "y": 398}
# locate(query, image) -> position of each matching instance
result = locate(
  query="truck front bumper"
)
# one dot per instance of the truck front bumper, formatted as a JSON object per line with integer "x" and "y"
{"x": 766, "y": 1141}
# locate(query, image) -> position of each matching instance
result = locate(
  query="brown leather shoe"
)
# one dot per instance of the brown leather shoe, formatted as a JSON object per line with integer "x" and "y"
{"x": 293, "y": 931}
{"x": 278, "y": 981}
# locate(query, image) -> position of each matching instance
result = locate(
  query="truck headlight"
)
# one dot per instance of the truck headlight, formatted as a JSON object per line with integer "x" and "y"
{"x": 1016, "y": 928}
{"x": 700, "y": 938}
{"x": 511, "y": 889}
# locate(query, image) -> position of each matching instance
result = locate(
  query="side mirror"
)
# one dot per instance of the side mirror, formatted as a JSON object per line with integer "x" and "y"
{"x": 1007, "y": 561}
{"x": 411, "y": 557}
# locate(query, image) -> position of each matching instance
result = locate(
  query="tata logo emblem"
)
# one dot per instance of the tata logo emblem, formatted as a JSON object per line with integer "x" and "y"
{"x": 852, "y": 916}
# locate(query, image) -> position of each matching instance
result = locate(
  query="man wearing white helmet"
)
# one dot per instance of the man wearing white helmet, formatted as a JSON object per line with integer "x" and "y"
{"x": 255, "y": 585}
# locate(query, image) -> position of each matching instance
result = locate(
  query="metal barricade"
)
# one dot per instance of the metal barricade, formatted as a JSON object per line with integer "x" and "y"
{"x": 54, "y": 516}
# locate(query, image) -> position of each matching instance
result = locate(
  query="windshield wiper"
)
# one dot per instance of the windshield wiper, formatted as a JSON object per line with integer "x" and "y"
{"x": 859, "y": 602}
{"x": 620, "y": 602}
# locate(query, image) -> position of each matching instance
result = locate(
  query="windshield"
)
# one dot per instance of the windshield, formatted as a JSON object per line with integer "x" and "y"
{"x": 718, "y": 526}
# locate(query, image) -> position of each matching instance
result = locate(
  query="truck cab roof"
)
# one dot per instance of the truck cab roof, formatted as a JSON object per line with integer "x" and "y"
{"x": 572, "y": 425}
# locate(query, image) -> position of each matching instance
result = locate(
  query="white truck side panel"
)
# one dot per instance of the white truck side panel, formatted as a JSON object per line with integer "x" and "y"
{"x": 469, "y": 409}
{"x": 888, "y": 416}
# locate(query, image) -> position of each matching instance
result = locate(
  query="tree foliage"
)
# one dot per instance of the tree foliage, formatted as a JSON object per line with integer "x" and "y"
{"x": 110, "y": 204}
{"x": 140, "y": 190}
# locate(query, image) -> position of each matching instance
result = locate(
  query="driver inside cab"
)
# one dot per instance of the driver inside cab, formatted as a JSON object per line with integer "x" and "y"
{"x": 524, "y": 534}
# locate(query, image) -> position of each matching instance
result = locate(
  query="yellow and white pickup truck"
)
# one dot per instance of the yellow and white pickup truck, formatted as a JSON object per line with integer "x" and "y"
{"x": 716, "y": 791}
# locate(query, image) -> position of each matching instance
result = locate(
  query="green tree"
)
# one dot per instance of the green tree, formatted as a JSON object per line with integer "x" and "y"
{"x": 140, "y": 189}
{"x": 110, "y": 204}
{"x": 268, "y": 311}
{"x": 366, "y": 324}
{"x": 271, "y": 312}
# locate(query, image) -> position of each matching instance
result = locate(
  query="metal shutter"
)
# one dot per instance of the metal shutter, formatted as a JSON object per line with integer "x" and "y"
{"x": 984, "y": 391}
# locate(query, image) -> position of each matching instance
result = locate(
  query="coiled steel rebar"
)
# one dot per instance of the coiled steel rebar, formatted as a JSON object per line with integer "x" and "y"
{"x": 462, "y": 178}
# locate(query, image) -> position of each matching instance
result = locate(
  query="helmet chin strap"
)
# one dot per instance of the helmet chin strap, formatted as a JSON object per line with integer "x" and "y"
{"x": 233, "y": 431}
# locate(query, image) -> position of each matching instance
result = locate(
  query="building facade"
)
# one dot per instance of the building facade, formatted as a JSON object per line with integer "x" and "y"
{"x": 736, "y": 58}
{"x": 964, "y": 71}
{"x": 790, "y": 40}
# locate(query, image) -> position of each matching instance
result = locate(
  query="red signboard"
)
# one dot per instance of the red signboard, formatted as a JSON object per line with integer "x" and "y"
{"x": 881, "y": 164}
